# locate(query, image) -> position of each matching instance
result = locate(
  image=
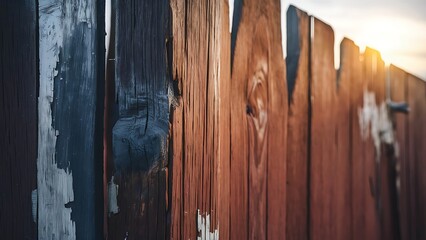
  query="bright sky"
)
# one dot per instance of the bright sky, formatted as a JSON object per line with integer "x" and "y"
{"x": 397, "y": 28}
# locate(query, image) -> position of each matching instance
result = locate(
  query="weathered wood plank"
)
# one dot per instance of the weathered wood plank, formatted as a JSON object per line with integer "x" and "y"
{"x": 18, "y": 120}
{"x": 258, "y": 124}
{"x": 359, "y": 184}
{"x": 416, "y": 94}
{"x": 298, "y": 39}
{"x": 390, "y": 159}
{"x": 349, "y": 60}
{"x": 70, "y": 119}
{"x": 323, "y": 154}
{"x": 201, "y": 73}
{"x": 373, "y": 96}
{"x": 141, "y": 122}
{"x": 398, "y": 90}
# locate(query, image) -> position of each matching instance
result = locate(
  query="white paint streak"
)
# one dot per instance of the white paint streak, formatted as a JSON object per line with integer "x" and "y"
{"x": 34, "y": 204}
{"x": 374, "y": 120}
{"x": 112, "y": 197}
{"x": 54, "y": 185}
{"x": 203, "y": 228}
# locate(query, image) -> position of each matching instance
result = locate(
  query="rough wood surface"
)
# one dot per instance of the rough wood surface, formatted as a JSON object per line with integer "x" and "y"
{"x": 258, "y": 124}
{"x": 298, "y": 39}
{"x": 416, "y": 94}
{"x": 70, "y": 107}
{"x": 201, "y": 73}
{"x": 18, "y": 120}
{"x": 137, "y": 170}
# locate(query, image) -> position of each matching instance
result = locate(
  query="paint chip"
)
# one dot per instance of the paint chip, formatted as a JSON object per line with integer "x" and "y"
{"x": 203, "y": 228}
{"x": 374, "y": 121}
{"x": 112, "y": 197}
{"x": 34, "y": 202}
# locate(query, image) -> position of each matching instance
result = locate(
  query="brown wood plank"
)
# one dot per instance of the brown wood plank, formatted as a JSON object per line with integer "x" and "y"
{"x": 223, "y": 119}
{"x": 398, "y": 89}
{"x": 323, "y": 154}
{"x": 416, "y": 94}
{"x": 18, "y": 120}
{"x": 298, "y": 39}
{"x": 258, "y": 124}
{"x": 349, "y": 65}
{"x": 358, "y": 181}
{"x": 201, "y": 74}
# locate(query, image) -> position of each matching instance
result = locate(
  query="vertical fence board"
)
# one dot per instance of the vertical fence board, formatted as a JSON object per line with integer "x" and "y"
{"x": 349, "y": 61}
{"x": 18, "y": 120}
{"x": 258, "y": 124}
{"x": 391, "y": 158}
{"x": 416, "y": 95}
{"x": 70, "y": 120}
{"x": 201, "y": 61}
{"x": 371, "y": 167}
{"x": 298, "y": 39}
{"x": 358, "y": 185}
{"x": 322, "y": 168}
{"x": 398, "y": 89}
{"x": 137, "y": 172}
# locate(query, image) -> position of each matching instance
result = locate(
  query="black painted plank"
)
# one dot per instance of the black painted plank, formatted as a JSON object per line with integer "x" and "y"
{"x": 18, "y": 118}
{"x": 139, "y": 119}
{"x": 71, "y": 119}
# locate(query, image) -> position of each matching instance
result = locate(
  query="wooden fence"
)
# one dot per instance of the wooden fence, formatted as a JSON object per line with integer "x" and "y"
{"x": 188, "y": 131}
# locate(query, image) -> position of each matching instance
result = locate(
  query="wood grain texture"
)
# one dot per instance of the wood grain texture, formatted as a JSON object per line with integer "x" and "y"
{"x": 70, "y": 107}
{"x": 140, "y": 120}
{"x": 258, "y": 124}
{"x": 18, "y": 119}
{"x": 201, "y": 73}
{"x": 298, "y": 39}
{"x": 398, "y": 90}
{"x": 323, "y": 154}
{"x": 416, "y": 95}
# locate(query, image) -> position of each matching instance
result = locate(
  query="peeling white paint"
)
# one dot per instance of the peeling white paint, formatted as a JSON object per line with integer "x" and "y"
{"x": 203, "y": 228}
{"x": 173, "y": 101}
{"x": 54, "y": 185}
{"x": 374, "y": 121}
{"x": 112, "y": 197}
{"x": 34, "y": 204}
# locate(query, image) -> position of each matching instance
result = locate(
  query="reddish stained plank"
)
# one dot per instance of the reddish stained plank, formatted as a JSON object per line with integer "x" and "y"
{"x": 416, "y": 95}
{"x": 258, "y": 120}
{"x": 298, "y": 39}
{"x": 222, "y": 117}
{"x": 323, "y": 154}
{"x": 398, "y": 89}
{"x": 201, "y": 73}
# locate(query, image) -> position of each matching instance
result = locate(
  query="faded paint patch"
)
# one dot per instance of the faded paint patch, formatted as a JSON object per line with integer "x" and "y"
{"x": 34, "y": 204}
{"x": 374, "y": 121}
{"x": 203, "y": 228}
{"x": 112, "y": 197}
